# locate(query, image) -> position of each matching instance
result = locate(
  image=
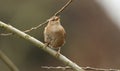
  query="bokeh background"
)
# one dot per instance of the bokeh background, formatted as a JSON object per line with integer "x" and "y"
{"x": 93, "y": 36}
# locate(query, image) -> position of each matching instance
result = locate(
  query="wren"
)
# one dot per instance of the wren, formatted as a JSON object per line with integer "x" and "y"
{"x": 54, "y": 34}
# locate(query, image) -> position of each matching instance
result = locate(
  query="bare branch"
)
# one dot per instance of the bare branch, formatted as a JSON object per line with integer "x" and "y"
{"x": 39, "y": 44}
{"x": 8, "y": 62}
{"x": 63, "y": 8}
{"x": 99, "y": 69}
{"x": 36, "y": 27}
{"x": 85, "y": 68}
{"x": 58, "y": 67}
{"x": 6, "y": 34}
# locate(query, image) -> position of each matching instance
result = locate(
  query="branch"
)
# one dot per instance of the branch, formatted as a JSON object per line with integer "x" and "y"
{"x": 99, "y": 69}
{"x": 8, "y": 62}
{"x": 85, "y": 68}
{"x": 63, "y": 8}
{"x": 39, "y": 44}
{"x": 33, "y": 28}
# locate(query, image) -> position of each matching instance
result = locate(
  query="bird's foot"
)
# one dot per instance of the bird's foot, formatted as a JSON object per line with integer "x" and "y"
{"x": 58, "y": 53}
{"x": 46, "y": 45}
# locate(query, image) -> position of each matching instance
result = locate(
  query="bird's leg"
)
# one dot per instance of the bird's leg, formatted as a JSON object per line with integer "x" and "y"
{"x": 46, "y": 44}
{"x": 59, "y": 49}
{"x": 58, "y": 52}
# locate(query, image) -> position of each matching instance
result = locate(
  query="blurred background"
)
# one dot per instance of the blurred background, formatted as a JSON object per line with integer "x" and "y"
{"x": 92, "y": 26}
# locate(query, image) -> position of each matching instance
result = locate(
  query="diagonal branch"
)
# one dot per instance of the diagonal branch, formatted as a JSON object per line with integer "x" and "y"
{"x": 39, "y": 44}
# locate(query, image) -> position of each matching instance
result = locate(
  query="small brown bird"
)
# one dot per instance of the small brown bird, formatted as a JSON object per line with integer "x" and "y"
{"x": 54, "y": 34}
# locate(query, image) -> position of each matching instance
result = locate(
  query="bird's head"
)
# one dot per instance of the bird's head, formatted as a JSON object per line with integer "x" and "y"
{"x": 54, "y": 20}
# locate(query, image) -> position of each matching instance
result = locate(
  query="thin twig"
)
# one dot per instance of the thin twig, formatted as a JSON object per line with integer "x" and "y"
{"x": 8, "y": 62}
{"x": 39, "y": 44}
{"x": 63, "y": 8}
{"x": 58, "y": 67}
{"x": 6, "y": 34}
{"x": 85, "y": 68}
{"x": 99, "y": 69}
{"x": 36, "y": 27}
